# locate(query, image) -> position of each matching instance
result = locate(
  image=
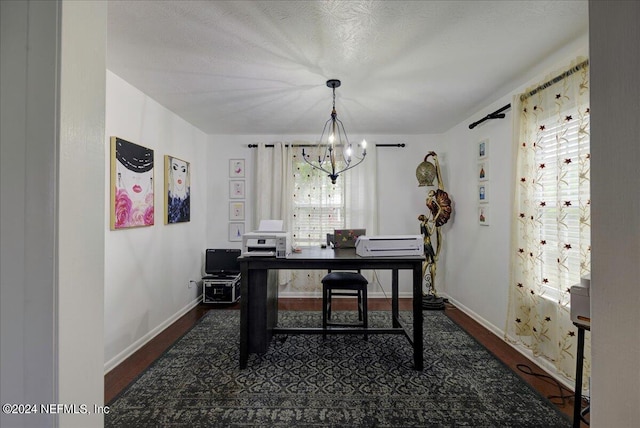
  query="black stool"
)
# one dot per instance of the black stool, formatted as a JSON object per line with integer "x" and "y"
{"x": 344, "y": 284}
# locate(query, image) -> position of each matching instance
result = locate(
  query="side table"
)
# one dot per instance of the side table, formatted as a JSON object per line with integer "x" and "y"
{"x": 577, "y": 398}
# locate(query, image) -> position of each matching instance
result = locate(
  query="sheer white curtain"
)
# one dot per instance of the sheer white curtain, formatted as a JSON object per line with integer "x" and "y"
{"x": 273, "y": 187}
{"x": 361, "y": 198}
{"x": 274, "y": 184}
{"x": 551, "y": 247}
{"x": 310, "y": 206}
{"x": 361, "y": 193}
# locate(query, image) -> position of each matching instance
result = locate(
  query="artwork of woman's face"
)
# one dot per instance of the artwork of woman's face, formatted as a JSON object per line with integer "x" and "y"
{"x": 132, "y": 197}
{"x": 136, "y": 184}
{"x": 178, "y": 169}
{"x": 179, "y": 173}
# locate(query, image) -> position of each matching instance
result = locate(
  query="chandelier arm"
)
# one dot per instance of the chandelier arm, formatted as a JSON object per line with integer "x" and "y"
{"x": 345, "y": 147}
{"x": 319, "y": 168}
{"x": 324, "y": 157}
{"x": 360, "y": 160}
{"x": 340, "y": 125}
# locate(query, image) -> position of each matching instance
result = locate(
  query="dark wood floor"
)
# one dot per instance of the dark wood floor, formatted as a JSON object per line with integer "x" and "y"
{"x": 118, "y": 378}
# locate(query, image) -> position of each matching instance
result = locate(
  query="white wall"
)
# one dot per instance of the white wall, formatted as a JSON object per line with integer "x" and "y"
{"x": 148, "y": 269}
{"x": 220, "y": 149}
{"x": 53, "y": 60}
{"x": 473, "y": 269}
{"x": 478, "y": 256}
{"x": 28, "y": 369}
{"x": 28, "y": 126}
{"x": 615, "y": 213}
{"x": 400, "y": 198}
{"x": 475, "y": 273}
{"x": 81, "y": 166}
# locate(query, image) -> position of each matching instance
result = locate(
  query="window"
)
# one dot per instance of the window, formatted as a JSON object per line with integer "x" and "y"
{"x": 562, "y": 201}
{"x": 318, "y": 205}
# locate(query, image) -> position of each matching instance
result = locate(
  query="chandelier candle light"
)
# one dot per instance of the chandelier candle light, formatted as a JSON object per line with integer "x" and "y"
{"x": 334, "y": 162}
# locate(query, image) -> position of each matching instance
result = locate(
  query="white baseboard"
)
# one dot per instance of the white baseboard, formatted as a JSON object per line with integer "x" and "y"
{"x": 486, "y": 324}
{"x": 126, "y": 353}
{"x": 543, "y": 363}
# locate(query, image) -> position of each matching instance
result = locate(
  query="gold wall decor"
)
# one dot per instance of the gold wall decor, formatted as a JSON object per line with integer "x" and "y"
{"x": 439, "y": 212}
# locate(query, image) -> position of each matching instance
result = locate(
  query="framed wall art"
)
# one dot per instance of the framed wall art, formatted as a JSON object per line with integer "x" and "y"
{"x": 483, "y": 170}
{"x": 132, "y": 170}
{"x": 483, "y": 149}
{"x": 236, "y": 189}
{"x": 484, "y": 215}
{"x": 177, "y": 190}
{"x": 483, "y": 192}
{"x": 236, "y": 168}
{"x": 236, "y": 211}
{"x": 236, "y": 230}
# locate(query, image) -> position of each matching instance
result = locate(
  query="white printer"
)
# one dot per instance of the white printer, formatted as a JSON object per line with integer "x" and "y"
{"x": 581, "y": 302}
{"x": 266, "y": 244}
{"x": 390, "y": 245}
{"x": 268, "y": 241}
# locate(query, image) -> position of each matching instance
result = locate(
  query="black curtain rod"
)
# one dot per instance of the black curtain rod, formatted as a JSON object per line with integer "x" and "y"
{"x": 253, "y": 146}
{"x": 495, "y": 115}
{"x": 498, "y": 113}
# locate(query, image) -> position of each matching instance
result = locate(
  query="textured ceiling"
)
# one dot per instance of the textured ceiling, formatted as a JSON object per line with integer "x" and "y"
{"x": 260, "y": 67}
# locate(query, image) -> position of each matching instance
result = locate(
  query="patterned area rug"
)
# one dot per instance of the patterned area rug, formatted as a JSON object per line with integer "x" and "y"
{"x": 344, "y": 381}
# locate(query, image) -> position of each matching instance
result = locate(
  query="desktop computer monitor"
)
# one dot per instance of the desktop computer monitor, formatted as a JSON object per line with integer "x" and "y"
{"x": 222, "y": 262}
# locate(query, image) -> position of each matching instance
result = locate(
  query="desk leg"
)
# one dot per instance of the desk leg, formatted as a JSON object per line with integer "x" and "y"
{"x": 245, "y": 295}
{"x": 418, "y": 341}
{"x": 577, "y": 398}
{"x": 258, "y": 311}
{"x": 394, "y": 299}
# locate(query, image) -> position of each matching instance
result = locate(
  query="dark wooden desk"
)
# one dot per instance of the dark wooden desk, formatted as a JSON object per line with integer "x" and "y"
{"x": 259, "y": 296}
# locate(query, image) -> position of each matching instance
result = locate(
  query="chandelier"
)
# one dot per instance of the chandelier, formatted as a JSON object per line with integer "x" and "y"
{"x": 337, "y": 155}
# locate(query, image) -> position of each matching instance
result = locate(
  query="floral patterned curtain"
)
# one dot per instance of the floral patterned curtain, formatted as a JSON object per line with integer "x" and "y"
{"x": 551, "y": 248}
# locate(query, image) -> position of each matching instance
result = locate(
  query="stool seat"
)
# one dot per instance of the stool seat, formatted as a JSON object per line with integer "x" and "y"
{"x": 343, "y": 279}
{"x": 344, "y": 284}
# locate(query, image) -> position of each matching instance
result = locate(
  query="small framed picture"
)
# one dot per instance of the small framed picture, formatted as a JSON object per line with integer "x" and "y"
{"x": 236, "y": 211}
{"x": 177, "y": 190}
{"x": 483, "y": 170}
{"x": 483, "y": 149}
{"x": 236, "y": 230}
{"x": 483, "y": 215}
{"x": 236, "y": 189}
{"x": 236, "y": 168}
{"x": 483, "y": 192}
